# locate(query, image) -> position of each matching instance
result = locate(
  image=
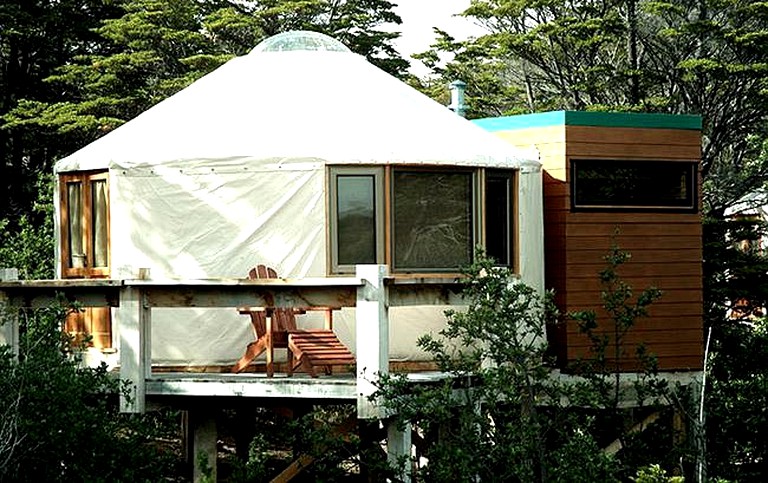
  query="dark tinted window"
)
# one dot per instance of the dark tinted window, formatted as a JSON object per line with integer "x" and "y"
{"x": 633, "y": 184}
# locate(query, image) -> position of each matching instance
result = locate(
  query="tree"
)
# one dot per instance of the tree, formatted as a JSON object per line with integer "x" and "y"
{"x": 36, "y": 37}
{"x": 503, "y": 415}
{"x": 158, "y": 47}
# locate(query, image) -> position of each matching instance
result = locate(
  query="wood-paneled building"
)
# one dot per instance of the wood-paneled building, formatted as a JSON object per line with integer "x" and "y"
{"x": 630, "y": 180}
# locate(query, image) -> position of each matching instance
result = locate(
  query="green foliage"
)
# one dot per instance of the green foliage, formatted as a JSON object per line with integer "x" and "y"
{"x": 499, "y": 417}
{"x": 504, "y": 414}
{"x": 735, "y": 274}
{"x": 674, "y": 56}
{"x": 655, "y": 474}
{"x": 28, "y": 246}
{"x": 328, "y": 441}
{"x": 35, "y": 39}
{"x": 609, "y": 347}
{"x": 60, "y": 420}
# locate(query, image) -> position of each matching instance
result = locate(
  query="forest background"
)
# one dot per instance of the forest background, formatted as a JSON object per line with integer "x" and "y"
{"x": 73, "y": 70}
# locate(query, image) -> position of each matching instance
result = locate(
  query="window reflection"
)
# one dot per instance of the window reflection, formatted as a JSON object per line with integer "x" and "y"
{"x": 432, "y": 218}
{"x": 99, "y": 223}
{"x": 355, "y": 209}
{"x": 75, "y": 221}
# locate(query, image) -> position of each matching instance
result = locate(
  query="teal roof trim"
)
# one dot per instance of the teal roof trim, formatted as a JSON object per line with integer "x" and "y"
{"x": 596, "y": 119}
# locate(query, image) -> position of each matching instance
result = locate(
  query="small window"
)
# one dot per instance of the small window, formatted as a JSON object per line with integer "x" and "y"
{"x": 432, "y": 220}
{"x": 356, "y": 217}
{"x": 636, "y": 185}
{"x": 500, "y": 216}
{"x": 85, "y": 225}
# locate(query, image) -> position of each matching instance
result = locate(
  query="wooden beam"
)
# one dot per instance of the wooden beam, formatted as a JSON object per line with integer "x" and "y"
{"x": 254, "y": 293}
{"x": 616, "y": 445}
{"x": 204, "y": 435}
{"x": 42, "y": 293}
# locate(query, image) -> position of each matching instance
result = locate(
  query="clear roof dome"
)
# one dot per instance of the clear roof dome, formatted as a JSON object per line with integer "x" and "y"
{"x": 300, "y": 40}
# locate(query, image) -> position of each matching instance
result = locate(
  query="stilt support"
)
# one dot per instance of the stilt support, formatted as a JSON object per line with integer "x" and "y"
{"x": 399, "y": 448}
{"x": 204, "y": 436}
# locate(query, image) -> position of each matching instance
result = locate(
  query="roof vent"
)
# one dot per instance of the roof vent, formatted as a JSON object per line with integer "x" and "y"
{"x": 300, "y": 40}
{"x": 457, "y": 104}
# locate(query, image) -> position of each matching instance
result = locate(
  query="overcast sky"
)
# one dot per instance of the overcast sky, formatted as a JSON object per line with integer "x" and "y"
{"x": 419, "y": 16}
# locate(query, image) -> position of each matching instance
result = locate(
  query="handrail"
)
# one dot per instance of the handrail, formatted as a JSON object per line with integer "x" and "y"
{"x": 372, "y": 291}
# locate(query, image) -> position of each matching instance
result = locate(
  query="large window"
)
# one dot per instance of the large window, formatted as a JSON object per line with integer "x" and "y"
{"x": 419, "y": 219}
{"x": 638, "y": 185}
{"x": 84, "y": 210}
{"x": 432, "y": 221}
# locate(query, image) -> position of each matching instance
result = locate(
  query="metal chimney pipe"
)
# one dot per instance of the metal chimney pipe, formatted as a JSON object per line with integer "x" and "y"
{"x": 457, "y": 104}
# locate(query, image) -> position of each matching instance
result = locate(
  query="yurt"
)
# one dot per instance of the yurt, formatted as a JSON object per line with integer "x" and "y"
{"x": 304, "y": 157}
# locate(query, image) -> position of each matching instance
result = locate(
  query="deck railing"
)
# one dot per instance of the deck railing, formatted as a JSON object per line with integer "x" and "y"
{"x": 371, "y": 291}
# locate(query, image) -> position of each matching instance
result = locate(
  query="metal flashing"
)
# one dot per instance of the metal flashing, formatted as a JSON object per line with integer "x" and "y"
{"x": 595, "y": 119}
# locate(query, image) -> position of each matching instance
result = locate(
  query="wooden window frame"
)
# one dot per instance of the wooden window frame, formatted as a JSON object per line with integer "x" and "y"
{"x": 512, "y": 216}
{"x": 92, "y": 322}
{"x": 384, "y": 216}
{"x": 379, "y": 212}
{"x": 85, "y": 178}
{"x": 475, "y": 213}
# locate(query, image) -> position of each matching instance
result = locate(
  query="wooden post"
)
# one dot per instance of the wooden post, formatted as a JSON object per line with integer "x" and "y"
{"x": 372, "y": 327}
{"x": 204, "y": 437}
{"x": 399, "y": 448}
{"x": 9, "y": 319}
{"x": 133, "y": 320}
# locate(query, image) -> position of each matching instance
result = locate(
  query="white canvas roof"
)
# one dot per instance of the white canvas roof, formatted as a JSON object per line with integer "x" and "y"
{"x": 278, "y": 106}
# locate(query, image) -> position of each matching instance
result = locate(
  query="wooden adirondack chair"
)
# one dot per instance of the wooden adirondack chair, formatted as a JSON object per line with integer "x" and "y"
{"x": 276, "y": 328}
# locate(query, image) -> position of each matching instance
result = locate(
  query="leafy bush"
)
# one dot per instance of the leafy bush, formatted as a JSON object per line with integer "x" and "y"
{"x": 60, "y": 421}
{"x": 504, "y": 414}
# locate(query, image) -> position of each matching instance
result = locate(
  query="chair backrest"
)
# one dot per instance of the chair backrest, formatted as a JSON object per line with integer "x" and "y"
{"x": 283, "y": 319}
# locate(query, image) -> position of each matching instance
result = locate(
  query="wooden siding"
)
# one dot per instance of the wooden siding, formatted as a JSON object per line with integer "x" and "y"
{"x": 665, "y": 247}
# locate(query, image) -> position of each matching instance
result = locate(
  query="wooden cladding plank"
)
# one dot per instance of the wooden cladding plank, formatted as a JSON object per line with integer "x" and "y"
{"x": 650, "y": 324}
{"x": 648, "y": 255}
{"x": 661, "y": 329}
{"x": 626, "y": 218}
{"x": 634, "y": 242}
{"x": 659, "y": 350}
{"x": 662, "y": 228}
{"x": 620, "y": 135}
{"x": 671, "y": 282}
{"x": 657, "y": 309}
{"x": 633, "y": 151}
{"x": 667, "y": 363}
{"x": 670, "y": 296}
{"x": 636, "y": 269}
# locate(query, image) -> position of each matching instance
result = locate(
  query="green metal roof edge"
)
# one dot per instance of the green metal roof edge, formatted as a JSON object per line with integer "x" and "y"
{"x": 596, "y": 119}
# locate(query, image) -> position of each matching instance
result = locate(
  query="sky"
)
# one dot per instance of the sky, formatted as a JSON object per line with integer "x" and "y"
{"x": 419, "y": 16}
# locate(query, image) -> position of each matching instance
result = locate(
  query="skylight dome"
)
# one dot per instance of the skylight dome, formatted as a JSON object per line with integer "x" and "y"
{"x": 300, "y": 40}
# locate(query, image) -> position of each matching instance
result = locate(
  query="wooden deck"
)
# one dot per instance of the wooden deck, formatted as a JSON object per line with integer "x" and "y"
{"x": 371, "y": 292}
